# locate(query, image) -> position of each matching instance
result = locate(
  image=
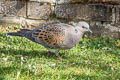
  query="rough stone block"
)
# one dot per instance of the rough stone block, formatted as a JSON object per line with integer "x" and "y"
{"x": 76, "y": 11}
{"x": 31, "y": 23}
{"x": 9, "y": 20}
{"x": 118, "y": 14}
{"x": 107, "y": 29}
{"x": 23, "y": 10}
{"x": 88, "y": 1}
{"x": 45, "y": 1}
{"x": 105, "y": 1}
{"x": 101, "y": 12}
{"x": 71, "y": 1}
{"x": 38, "y": 10}
{"x": 86, "y": 12}
{"x": 11, "y": 7}
{"x": 61, "y": 1}
{"x": 78, "y": 1}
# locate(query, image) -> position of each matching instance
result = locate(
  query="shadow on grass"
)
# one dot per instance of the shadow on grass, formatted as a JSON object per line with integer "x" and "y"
{"x": 31, "y": 53}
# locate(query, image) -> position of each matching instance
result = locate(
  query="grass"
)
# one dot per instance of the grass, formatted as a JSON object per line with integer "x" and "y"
{"x": 91, "y": 59}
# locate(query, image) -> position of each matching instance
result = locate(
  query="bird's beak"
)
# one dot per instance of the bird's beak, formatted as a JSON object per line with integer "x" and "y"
{"x": 90, "y": 30}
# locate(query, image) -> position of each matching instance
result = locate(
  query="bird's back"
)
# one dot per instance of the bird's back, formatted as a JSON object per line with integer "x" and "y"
{"x": 50, "y": 36}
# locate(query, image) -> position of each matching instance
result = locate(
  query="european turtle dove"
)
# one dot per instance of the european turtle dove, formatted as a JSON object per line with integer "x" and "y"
{"x": 55, "y": 36}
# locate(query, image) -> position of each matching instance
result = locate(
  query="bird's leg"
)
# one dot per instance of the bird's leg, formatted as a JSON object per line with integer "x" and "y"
{"x": 49, "y": 54}
{"x": 56, "y": 52}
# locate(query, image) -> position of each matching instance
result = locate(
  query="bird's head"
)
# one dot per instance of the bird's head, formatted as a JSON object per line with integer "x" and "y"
{"x": 83, "y": 26}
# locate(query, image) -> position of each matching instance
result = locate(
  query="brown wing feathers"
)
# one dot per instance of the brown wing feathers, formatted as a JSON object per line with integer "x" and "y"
{"x": 51, "y": 35}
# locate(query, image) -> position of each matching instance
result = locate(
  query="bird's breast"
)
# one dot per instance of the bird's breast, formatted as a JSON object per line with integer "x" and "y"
{"x": 71, "y": 41}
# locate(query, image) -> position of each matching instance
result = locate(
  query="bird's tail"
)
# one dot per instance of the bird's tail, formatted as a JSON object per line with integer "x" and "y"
{"x": 20, "y": 33}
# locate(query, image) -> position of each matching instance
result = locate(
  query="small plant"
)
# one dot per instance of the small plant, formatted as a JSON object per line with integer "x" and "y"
{"x": 13, "y": 27}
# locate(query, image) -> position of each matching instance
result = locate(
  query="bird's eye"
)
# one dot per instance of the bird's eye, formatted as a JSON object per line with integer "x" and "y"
{"x": 83, "y": 27}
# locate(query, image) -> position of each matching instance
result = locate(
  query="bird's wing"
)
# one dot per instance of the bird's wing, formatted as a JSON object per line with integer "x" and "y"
{"x": 50, "y": 36}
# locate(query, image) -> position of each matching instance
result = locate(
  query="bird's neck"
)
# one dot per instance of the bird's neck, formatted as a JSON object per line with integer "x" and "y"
{"x": 79, "y": 30}
{"x": 75, "y": 37}
{"x": 78, "y": 34}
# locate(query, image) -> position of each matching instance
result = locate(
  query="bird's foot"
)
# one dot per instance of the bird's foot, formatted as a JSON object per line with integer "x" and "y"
{"x": 58, "y": 55}
{"x": 49, "y": 54}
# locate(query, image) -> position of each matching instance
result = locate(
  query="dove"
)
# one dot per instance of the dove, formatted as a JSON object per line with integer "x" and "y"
{"x": 55, "y": 37}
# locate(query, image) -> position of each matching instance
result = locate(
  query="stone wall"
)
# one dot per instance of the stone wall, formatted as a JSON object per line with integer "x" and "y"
{"x": 102, "y": 15}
